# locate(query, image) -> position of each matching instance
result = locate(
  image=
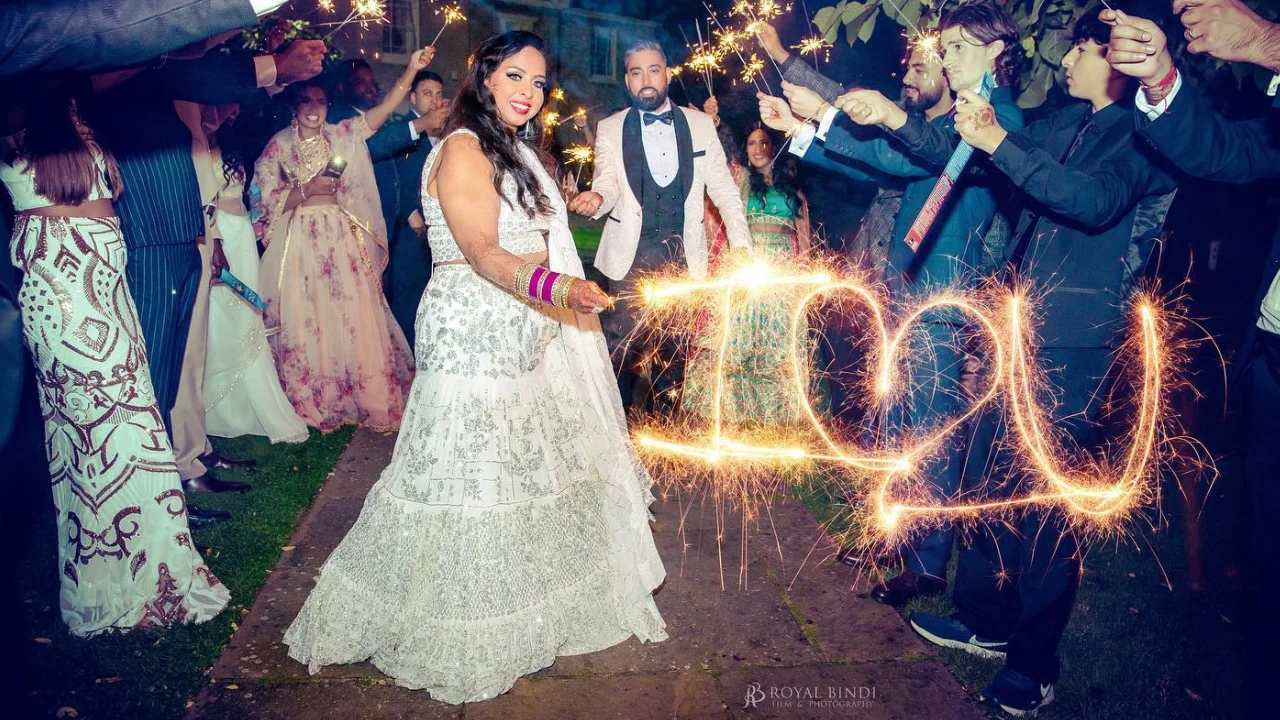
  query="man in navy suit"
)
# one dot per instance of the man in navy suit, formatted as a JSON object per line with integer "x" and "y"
{"x": 410, "y": 267}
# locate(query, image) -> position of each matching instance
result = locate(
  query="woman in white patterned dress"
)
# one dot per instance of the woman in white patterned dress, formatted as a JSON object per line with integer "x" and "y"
{"x": 511, "y": 526}
{"x": 125, "y": 555}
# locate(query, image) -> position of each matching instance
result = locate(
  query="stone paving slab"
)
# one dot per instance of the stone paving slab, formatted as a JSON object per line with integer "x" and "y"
{"x": 795, "y": 622}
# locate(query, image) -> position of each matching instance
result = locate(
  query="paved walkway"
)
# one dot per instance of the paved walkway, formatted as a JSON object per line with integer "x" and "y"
{"x": 816, "y": 651}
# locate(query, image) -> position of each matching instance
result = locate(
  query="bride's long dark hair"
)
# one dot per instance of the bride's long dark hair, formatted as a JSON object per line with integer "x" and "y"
{"x": 477, "y": 111}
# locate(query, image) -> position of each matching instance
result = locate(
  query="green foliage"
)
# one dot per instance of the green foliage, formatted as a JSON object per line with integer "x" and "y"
{"x": 256, "y": 38}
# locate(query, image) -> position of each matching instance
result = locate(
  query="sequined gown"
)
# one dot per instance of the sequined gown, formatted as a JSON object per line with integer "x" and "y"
{"x": 511, "y": 525}
{"x": 125, "y": 555}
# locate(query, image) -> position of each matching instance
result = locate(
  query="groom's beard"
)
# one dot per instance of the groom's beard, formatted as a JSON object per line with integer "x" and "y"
{"x": 648, "y": 104}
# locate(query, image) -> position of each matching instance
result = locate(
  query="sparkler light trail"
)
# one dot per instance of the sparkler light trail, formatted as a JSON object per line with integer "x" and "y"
{"x": 1097, "y": 494}
{"x": 812, "y": 46}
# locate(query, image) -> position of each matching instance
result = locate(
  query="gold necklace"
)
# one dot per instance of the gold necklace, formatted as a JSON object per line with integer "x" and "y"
{"x": 313, "y": 155}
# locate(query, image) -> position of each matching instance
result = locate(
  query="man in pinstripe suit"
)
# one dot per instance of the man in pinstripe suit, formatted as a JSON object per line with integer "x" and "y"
{"x": 160, "y": 210}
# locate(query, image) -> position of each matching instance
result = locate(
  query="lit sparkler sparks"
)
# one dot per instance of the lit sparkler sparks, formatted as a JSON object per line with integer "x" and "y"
{"x": 927, "y": 43}
{"x": 326, "y": 5}
{"x": 812, "y": 46}
{"x": 580, "y": 155}
{"x": 558, "y": 94}
{"x": 363, "y": 11}
{"x": 751, "y": 68}
{"x": 550, "y": 119}
{"x": 1097, "y": 494}
{"x": 451, "y": 13}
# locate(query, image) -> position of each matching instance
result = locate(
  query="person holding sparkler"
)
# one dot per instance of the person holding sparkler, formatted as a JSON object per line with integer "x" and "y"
{"x": 653, "y": 163}
{"x": 1178, "y": 121}
{"x": 977, "y": 40}
{"x": 1092, "y": 192}
{"x": 512, "y": 523}
{"x": 341, "y": 355}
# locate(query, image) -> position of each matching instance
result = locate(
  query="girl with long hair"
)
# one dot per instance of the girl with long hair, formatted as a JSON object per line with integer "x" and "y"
{"x": 341, "y": 356}
{"x": 125, "y": 557}
{"x": 511, "y": 526}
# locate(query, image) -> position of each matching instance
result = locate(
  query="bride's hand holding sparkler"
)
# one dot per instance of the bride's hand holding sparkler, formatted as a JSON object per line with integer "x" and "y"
{"x": 976, "y": 122}
{"x": 804, "y": 102}
{"x": 776, "y": 113}
{"x": 420, "y": 59}
{"x": 869, "y": 107}
{"x": 587, "y": 297}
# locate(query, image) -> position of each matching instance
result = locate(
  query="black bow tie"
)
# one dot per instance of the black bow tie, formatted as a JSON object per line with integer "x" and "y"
{"x": 651, "y": 118}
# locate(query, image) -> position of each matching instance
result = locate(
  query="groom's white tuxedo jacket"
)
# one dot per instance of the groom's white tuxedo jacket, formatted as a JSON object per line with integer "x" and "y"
{"x": 619, "y": 164}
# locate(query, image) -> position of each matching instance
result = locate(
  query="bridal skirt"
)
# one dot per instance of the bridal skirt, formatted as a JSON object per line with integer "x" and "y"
{"x": 507, "y": 529}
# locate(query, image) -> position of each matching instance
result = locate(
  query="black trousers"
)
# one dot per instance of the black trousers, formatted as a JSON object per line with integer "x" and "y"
{"x": 1262, "y": 498}
{"x": 633, "y": 345}
{"x": 1019, "y": 582}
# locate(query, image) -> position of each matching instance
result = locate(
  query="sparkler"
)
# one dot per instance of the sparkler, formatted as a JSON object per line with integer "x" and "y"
{"x": 1097, "y": 495}
{"x": 364, "y": 11}
{"x": 452, "y": 13}
{"x": 558, "y": 94}
{"x": 927, "y": 43}
{"x": 580, "y": 155}
{"x": 752, "y": 68}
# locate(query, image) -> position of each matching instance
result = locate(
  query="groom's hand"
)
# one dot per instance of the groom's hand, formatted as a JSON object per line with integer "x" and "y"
{"x": 587, "y": 203}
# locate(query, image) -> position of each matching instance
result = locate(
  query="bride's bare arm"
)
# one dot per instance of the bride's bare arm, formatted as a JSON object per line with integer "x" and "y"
{"x": 463, "y": 181}
{"x": 464, "y": 184}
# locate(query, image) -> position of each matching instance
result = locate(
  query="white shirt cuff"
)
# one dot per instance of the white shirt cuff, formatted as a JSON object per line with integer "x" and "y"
{"x": 827, "y": 118}
{"x": 413, "y": 132}
{"x": 1154, "y": 111}
{"x": 1275, "y": 85}
{"x": 264, "y": 7}
{"x": 264, "y": 67}
{"x": 802, "y": 139}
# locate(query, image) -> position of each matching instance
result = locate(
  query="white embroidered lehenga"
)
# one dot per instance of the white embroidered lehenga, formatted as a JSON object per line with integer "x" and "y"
{"x": 512, "y": 523}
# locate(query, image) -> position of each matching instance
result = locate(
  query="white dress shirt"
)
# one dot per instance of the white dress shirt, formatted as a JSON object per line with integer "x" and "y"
{"x": 660, "y": 149}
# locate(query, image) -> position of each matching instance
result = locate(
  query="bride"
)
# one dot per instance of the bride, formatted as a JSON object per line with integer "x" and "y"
{"x": 511, "y": 526}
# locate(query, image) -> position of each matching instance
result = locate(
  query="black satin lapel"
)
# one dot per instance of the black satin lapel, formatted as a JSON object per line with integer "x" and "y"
{"x": 684, "y": 149}
{"x": 633, "y": 153}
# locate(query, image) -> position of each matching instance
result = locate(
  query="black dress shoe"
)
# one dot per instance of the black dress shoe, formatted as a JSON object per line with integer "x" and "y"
{"x": 906, "y": 586}
{"x": 209, "y": 482}
{"x": 215, "y": 460}
{"x": 199, "y": 517}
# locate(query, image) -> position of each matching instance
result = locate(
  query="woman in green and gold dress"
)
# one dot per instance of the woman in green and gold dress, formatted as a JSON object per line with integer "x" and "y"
{"x": 758, "y": 385}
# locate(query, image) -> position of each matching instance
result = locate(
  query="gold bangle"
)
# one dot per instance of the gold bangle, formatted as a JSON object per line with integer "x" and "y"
{"x": 520, "y": 285}
{"x": 560, "y": 292}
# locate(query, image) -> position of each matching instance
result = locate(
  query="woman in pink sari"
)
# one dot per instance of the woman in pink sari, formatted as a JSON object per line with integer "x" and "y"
{"x": 341, "y": 356}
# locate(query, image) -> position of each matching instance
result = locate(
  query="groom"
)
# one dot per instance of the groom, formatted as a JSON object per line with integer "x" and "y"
{"x": 654, "y": 163}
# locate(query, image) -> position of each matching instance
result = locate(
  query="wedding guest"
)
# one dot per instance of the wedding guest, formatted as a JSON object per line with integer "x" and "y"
{"x": 1175, "y": 117}
{"x": 110, "y": 461}
{"x": 1092, "y": 189}
{"x": 409, "y": 267}
{"x": 341, "y": 356}
{"x": 355, "y": 91}
{"x": 756, "y": 368}
{"x": 242, "y": 393}
{"x": 162, "y": 216}
{"x": 976, "y": 40}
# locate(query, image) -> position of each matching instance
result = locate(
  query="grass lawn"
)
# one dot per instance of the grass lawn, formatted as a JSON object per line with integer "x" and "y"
{"x": 1134, "y": 647}
{"x": 153, "y": 674}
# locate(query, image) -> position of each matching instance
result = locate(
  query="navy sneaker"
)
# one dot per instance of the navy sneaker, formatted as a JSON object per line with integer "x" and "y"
{"x": 1017, "y": 694}
{"x": 949, "y": 632}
